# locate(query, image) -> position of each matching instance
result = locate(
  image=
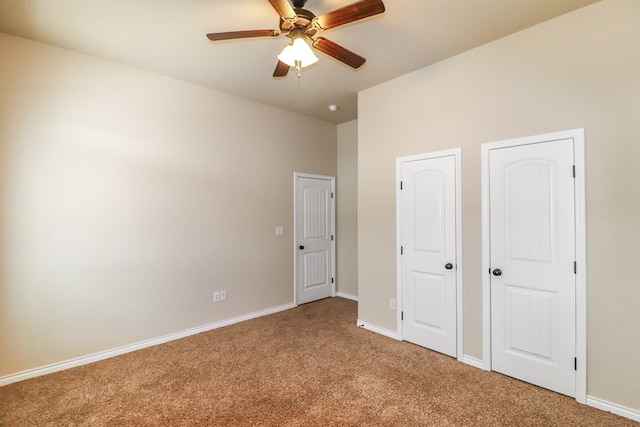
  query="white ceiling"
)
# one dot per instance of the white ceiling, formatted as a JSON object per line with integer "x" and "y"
{"x": 168, "y": 37}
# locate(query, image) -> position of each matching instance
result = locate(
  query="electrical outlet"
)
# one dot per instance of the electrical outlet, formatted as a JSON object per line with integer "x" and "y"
{"x": 216, "y": 296}
{"x": 392, "y": 303}
{"x": 223, "y": 295}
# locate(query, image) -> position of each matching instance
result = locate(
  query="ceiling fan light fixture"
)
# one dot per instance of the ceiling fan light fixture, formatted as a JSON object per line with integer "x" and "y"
{"x": 298, "y": 53}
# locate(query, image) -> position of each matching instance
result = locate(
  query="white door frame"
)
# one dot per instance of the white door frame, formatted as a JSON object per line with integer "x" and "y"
{"x": 580, "y": 232}
{"x": 457, "y": 154}
{"x": 332, "y": 226}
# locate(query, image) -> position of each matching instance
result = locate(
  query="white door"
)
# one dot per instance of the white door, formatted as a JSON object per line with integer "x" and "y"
{"x": 428, "y": 206}
{"x": 314, "y": 238}
{"x": 532, "y": 255}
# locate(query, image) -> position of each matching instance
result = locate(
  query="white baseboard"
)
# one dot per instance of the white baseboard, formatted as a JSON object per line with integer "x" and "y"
{"x": 347, "y": 296}
{"x": 614, "y": 408}
{"x": 378, "y": 330}
{"x": 476, "y": 363}
{"x": 84, "y": 360}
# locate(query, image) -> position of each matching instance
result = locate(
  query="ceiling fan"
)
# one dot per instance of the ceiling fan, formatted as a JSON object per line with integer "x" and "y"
{"x": 301, "y": 26}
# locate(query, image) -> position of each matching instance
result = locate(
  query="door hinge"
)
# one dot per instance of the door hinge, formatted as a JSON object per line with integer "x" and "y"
{"x": 332, "y": 280}
{"x": 575, "y": 267}
{"x": 332, "y": 237}
{"x": 401, "y": 185}
{"x": 402, "y": 315}
{"x": 401, "y": 250}
{"x": 575, "y": 363}
{"x": 574, "y": 171}
{"x": 332, "y": 195}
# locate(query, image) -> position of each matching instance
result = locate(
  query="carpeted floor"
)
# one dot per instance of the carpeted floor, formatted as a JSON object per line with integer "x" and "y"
{"x": 308, "y": 366}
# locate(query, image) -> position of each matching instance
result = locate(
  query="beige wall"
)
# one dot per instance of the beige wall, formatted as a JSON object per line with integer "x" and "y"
{"x": 347, "y": 209}
{"x": 127, "y": 198}
{"x": 579, "y": 70}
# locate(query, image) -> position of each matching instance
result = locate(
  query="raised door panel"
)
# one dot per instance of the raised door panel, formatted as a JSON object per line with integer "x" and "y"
{"x": 429, "y": 211}
{"x": 530, "y": 205}
{"x": 315, "y": 213}
{"x": 430, "y": 301}
{"x": 531, "y": 323}
{"x": 315, "y": 266}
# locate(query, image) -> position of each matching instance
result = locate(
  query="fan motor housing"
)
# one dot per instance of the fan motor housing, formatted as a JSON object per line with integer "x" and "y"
{"x": 302, "y": 23}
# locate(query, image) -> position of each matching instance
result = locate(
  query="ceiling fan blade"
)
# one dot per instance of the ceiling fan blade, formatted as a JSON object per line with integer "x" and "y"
{"x": 281, "y": 69}
{"x": 338, "y": 52}
{"x": 231, "y": 35}
{"x": 283, "y": 8}
{"x": 344, "y": 15}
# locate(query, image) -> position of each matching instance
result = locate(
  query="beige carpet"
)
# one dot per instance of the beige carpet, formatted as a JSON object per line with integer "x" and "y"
{"x": 309, "y": 366}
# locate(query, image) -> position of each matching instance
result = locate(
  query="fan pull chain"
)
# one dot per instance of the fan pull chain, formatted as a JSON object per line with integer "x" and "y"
{"x": 298, "y": 66}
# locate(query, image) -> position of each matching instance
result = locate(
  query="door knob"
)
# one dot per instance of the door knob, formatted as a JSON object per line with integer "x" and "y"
{"x": 448, "y": 266}
{"x": 497, "y": 272}
{"x": 301, "y": 247}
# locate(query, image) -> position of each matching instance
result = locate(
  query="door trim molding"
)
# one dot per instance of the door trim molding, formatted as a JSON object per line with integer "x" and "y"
{"x": 580, "y": 235}
{"x": 297, "y": 175}
{"x": 457, "y": 155}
